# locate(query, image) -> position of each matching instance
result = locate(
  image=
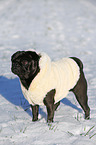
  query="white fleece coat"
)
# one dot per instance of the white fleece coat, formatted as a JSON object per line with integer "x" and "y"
{"x": 61, "y": 75}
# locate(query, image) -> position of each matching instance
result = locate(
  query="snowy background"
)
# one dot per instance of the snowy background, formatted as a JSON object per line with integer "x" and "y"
{"x": 61, "y": 28}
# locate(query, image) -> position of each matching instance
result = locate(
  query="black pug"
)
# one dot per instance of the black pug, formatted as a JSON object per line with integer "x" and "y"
{"x": 45, "y": 83}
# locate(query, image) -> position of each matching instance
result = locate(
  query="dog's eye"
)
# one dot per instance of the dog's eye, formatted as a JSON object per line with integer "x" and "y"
{"x": 24, "y": 62}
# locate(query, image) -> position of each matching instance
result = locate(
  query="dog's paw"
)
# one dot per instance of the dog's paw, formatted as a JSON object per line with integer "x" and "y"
{"x": 87, "y": 114}
{"x": 50, "y": 121}
{"x": 87, "y": 117}
{"x": 35, "y": 119}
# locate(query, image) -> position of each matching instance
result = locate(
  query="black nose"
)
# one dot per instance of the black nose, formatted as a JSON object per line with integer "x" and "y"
{"x": 15, "y": 68}
{"x": 15, "y": 65}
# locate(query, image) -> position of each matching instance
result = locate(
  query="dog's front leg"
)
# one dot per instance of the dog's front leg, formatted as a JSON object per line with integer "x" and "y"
{"x": 35, "y": 110}
{"x": 49, "y": 103}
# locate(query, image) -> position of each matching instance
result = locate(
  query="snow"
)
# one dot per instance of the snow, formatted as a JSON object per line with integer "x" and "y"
{"x": 61, "y": 28}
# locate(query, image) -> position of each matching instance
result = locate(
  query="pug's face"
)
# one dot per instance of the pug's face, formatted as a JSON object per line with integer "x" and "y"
{"x": 25, "y": 64}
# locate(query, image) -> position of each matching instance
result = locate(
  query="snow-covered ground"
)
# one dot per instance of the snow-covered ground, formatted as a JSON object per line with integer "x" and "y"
{"x": 60, "y": 28}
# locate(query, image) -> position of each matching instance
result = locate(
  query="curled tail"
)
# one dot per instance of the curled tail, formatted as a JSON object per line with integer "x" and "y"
{"x": 78, "y": 61}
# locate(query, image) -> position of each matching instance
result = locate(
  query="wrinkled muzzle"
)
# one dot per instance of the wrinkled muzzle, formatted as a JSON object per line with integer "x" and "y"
{"x": 15, "y": 68}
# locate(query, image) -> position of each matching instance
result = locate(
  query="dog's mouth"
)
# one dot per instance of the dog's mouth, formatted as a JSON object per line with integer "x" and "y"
{"x": 14, "y": 69}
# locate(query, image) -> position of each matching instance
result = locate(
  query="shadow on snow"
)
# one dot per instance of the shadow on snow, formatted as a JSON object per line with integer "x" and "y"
{"x": 11, "y": 91}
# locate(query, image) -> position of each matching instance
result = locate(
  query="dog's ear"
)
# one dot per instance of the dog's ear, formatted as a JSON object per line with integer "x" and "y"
{"x": 33, "y": 55}
{"x": 15, "y": 55}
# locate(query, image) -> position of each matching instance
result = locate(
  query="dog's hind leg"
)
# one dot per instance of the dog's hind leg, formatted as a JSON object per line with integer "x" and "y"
{"x": 49, "y": 103}
{"x": 80, "y": 91}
